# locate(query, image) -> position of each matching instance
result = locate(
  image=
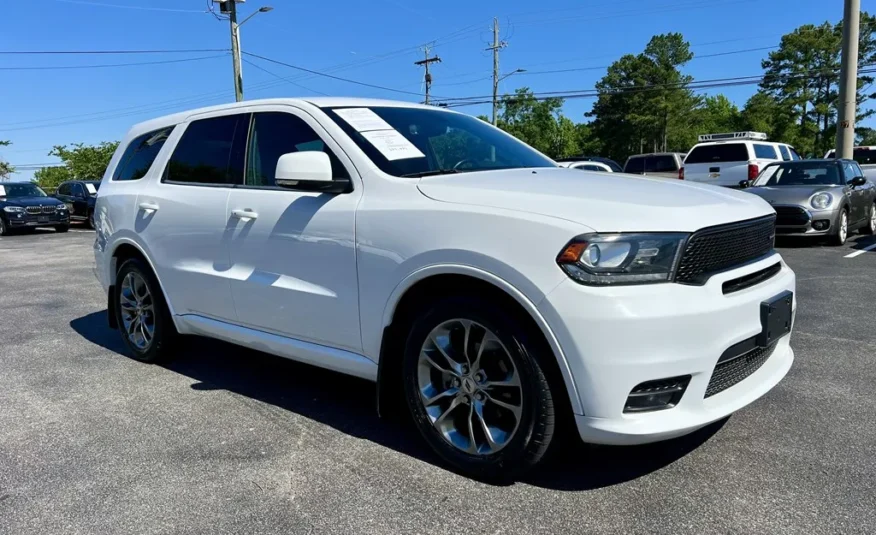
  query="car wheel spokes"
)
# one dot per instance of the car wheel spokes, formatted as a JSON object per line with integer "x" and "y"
{"x": 136, "y": 307}
{"x": 470, "y": 387}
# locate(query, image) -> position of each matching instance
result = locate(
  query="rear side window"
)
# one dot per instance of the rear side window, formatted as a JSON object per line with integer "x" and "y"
{"x": 210, "y": 151}
{"x": 767, "y": 152}
{"x": 64, "y": 189}
{"x": 785, "y": 154}
{"x": 140, "y": 154}
{"x": 660, "y": 164}
{"x": 723, "y": 152}
{"x": 275, "y": 134}
{"x": 635, "y": 165}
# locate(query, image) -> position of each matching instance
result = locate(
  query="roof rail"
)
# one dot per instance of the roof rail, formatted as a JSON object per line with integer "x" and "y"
{"x": 754, "y": 136}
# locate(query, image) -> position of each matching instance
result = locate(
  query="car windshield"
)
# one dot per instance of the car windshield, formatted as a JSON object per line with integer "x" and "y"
{"x": 864, "y": 156}
{"x": 800, "y": 174}
{"x": 21, "y": 190}
{"x": 415, "y": 142}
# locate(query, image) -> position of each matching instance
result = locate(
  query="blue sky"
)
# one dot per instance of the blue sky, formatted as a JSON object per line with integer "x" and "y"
{"x": 374, "y": 41}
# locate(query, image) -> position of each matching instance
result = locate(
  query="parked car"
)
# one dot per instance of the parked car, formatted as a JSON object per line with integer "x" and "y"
{"x": 23, "y": 205}
{"x": 587, "y": 166}
{"x": 727, "y": 159}
{"x": 819, "y": 198}
{"x": 79, "y": 196}
{"x": 662, "y": 164}
{"x": 613, "y": 165}
{"x": 487, "y": 291}
{"x": 865, "y": 156}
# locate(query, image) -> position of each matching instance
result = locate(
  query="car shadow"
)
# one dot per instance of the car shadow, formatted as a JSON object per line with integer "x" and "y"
{"x": 348, "y": 404}
{"x": 862, "y": 242}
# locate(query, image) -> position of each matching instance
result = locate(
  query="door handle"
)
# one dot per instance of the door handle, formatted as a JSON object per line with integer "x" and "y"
{"x": 149, "y": 206}
{"x": 244, "y": 214}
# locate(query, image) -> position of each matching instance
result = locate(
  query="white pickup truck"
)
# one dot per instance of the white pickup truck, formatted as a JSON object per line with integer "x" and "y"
{"x": 728, "y": 159}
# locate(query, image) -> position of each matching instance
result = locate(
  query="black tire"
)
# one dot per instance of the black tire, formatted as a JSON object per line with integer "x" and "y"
{"x": 62, "y": 228}
{"x": 4, "y": 230}
{"x": 869, "y": 228}
{"x": 165, "y": 335}
{"x": 90, "y": 220}
{"x": 536, "y": 426}
{"x": 838, "y": 238}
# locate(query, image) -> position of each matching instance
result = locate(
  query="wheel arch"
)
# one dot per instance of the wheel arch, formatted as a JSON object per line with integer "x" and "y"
{"x": 439, "y": 280}
{"x": 123, "y": 250}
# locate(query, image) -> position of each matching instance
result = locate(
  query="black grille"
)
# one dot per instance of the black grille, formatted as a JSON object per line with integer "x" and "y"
{"x": 791, "y": 216}
{"x": 715, "y": 249}
{"x": 731, "y": 372}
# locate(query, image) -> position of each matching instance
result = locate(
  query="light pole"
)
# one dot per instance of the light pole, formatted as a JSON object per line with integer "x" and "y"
{"x": 231, "y": 7}
{"x": 512, "y": 73}
{"x": 496, "y": 90}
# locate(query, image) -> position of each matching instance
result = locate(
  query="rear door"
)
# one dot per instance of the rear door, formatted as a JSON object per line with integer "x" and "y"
{"x": 720, "y": 164}
{"x": 65, "y": 195}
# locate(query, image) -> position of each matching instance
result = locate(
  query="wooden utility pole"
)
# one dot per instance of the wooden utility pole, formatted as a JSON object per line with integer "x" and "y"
{"x": 428, "y": 76}
{"x": 848, "y": 90}
{"x": 496, "y": 46}
{"x": 235, "y": 50}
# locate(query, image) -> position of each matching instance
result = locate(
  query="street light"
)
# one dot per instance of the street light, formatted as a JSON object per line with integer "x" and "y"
{"x": 235, "y": 44}
{"x": 512, "y": 73}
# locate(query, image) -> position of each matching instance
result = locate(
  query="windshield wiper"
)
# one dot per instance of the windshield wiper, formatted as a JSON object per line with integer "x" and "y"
{"x": 433, "y": 173}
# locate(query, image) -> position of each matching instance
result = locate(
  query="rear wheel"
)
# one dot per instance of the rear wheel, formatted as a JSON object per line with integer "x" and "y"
{"x": 475, "y": 388}
{"x": 143, "y": 317}
{"x": 870, "y": 227}
{"x": 842, "y": 229}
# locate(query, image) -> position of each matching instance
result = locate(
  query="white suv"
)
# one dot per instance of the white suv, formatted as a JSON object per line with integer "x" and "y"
{"x": 730, "y": 159}
{"x": 494, "y": 295}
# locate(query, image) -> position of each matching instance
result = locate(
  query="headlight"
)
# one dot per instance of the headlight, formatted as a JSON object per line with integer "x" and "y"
{"x": 61, "y": 207}
{"x": 820, "y": 201}
{"x": 605, "y": 259}
{"x": 13, "y": 209}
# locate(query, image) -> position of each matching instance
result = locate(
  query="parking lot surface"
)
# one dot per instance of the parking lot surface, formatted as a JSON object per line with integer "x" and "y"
{"x": 228, "y": 440}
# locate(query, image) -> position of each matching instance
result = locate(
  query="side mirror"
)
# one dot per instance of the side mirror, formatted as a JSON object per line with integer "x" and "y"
{"x": 744, "y": 184}
{"x": 858, "y": 181}
{"x": 309, "y": 171}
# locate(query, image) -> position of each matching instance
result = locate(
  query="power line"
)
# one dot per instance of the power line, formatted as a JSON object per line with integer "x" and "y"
{"x": 288, "y": 81}
{"x": 140, "y": 8}
{"x": 105, "y": 65}
{"x": 73, "y": 52}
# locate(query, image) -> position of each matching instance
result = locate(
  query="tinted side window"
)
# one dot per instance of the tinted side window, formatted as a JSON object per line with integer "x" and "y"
{"x": 660, "y": 164}
{"x": 849, "y": 171}
{"x": 794, "y": 155}
{"x": 64, "y": 189}
{"x": 785, "y": 154}
{"x": 78, "y": 190}
{"x": 765, "y": 151}
{"x": 278, "y": 133}
{"x": 635, "y": 165}
{"x": 858, "y": 170}
{"x": 138, "y": 157}
{"x": 210, "y": 151}
{"x": 723, "y": 152}
{"x": 592, "y": 168}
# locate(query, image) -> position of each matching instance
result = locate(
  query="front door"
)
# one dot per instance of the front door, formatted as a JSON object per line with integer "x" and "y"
{"x": 293, "y": 252}
{"x": 182, "y": 215}
{"x": 856, "y": 195}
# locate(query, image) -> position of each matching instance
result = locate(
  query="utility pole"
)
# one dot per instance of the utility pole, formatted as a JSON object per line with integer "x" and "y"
{"x": 230, "y": 7}
{"x": 425, "y": 63}
{"x": 497, "y": 45}
{"x": 848, "y": 90}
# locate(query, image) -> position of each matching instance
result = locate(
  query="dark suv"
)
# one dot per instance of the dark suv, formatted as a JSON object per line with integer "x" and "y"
{"x": 24, "y": 205}
{"x": 79, "y": 196}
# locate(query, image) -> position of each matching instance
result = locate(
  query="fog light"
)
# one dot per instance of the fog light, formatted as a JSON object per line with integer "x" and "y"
{"x": 821, "y": 224}
{"x": 657, "y": 395}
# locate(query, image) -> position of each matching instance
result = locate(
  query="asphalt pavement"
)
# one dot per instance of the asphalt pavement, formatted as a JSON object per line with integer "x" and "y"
{"x": 228, "y": 440}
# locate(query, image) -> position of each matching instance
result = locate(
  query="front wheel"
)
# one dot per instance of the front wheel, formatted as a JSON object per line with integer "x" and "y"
{"x": 143, "y": 317}
{"x": 4, "y": 230}
{"x": 90, "y": 221}
{"x": 475, "y": 388}
{"x": 870, "y": 227}
{"x": 842, "y": 229}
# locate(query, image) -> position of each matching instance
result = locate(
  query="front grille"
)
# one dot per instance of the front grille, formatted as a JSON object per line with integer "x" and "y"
{"x": 40, "y": 209}
{"x": 751, "y": 279}
{"x": 792, "y": 216}
{"x": 715, "y": 249}
{"x": 731, "y": 372}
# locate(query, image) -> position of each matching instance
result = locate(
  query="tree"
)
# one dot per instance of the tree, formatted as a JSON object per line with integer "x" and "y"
{"x": 540, "y": 123}
{"x": 81, "y": 162}
{"x": 644, "y": 103}
{"x": 5, "y": 168}
{"x": 49, "y": 178}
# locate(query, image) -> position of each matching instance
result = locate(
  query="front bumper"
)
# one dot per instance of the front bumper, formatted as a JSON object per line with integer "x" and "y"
{"x": 617, "y": 338}
{"x": 25, "y": 220}
{"x": 825, "y": 219}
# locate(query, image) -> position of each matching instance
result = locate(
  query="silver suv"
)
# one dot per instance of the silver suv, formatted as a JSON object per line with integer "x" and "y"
{"x": 662, "y": 164}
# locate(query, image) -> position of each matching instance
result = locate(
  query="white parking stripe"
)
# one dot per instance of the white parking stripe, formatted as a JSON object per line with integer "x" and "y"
{"x": 862, "y": 251}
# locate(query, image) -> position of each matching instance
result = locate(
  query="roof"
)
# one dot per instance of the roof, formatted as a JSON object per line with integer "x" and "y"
{"x": 658, "y": 154}
{"x": 321, "y": 102}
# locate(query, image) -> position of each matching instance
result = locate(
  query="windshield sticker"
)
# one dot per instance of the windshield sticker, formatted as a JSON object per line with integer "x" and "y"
{"x": 91, "y": 189}
{"x": 2, "y": 191}
{"x": 393, "y": 145}
{"x": 363, "y": 119}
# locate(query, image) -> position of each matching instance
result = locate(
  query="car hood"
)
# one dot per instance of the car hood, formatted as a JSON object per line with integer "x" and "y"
{"x": 604, "y": 202}
{"x": 792, "y": 194}
{"x": 29, "y": 201}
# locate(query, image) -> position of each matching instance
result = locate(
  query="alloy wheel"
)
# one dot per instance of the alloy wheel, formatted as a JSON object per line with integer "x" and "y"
{"x": 844, "y": 227}
{"x": 137, "y": 311}
{"x": 470, "y": 387}
{"x": 873, "y": 219}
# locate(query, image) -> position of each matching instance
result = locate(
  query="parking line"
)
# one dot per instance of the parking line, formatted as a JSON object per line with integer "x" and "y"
{"x": 862, "y": 251}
